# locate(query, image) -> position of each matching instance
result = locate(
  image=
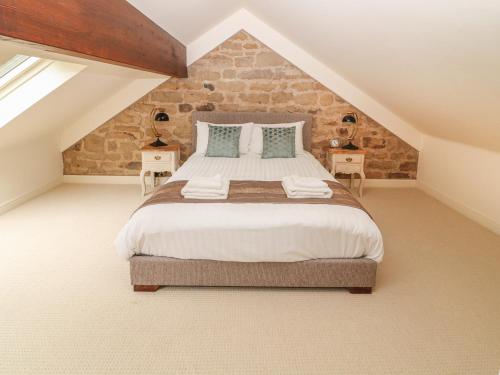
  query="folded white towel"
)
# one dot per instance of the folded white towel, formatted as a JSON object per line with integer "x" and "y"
{"x": 204, "y": 196}
{"x": 206, "y": 193}
{"x": 294, "y": 191}
{"x": 214, "y": 182}
{"x": 308, "y": 182}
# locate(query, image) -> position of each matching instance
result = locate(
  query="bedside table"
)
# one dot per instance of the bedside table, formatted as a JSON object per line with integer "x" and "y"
{"x": 158, "y": 159}
{"x": 349, "y": 162}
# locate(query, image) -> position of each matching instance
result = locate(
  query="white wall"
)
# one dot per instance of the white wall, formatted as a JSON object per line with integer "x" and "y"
{"x": 30, "y": 141}
{"x": 28, "y": 169}
{"x": 106, "y": 108}
{"x": 464, "y": 177}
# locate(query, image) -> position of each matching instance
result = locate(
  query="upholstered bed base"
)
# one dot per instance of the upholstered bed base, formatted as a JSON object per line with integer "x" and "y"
{"x": 148, "y": 273}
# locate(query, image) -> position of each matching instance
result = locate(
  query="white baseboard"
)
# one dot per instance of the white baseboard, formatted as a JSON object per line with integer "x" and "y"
{"x": 385, "y": 183}
{"x": 134, "y": 180}
{"x": 467, "y": 211}
{"x": 10, "y": 204}
{"x": 116, "y": 180}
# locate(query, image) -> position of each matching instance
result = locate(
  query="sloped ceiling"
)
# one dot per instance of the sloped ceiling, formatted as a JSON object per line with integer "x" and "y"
{"x": 435, "y": 64}
{"x": 72, "y": 100}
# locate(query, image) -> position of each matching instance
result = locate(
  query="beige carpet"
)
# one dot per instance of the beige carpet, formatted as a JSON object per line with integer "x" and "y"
{"x": 66, "y": 306}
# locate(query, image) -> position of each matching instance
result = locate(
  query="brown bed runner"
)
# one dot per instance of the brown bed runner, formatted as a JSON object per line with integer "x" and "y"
{"x": 253, "y": 192}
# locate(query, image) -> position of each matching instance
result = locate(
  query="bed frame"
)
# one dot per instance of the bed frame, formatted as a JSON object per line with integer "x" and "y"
{"x": 148, "y": 273}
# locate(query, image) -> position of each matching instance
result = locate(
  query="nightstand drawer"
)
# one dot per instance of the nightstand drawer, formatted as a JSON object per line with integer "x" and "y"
{"x": 348, "y": 158}
{"x": 152, "y": 156}
{"x": 155, "y": 166}
{"x": 348, "y": 168}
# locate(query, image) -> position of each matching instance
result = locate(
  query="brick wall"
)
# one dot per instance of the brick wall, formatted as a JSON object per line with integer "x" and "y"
{"x": 241, "y": 74}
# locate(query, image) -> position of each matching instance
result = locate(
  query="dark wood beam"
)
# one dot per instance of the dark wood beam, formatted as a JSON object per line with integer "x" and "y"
{"x": 111, "y": 31}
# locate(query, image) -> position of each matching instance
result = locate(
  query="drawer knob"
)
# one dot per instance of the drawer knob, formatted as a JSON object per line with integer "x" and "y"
{"x": 157, "y": 157}
{"x": 348, "y": 159}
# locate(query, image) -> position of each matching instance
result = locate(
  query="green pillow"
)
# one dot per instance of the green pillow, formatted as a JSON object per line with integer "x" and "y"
{"x": 223, "y": 141}
{"x": 278, "y": 142}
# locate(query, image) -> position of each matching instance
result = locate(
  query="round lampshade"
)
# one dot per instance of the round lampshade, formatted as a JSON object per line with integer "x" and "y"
{"x": 161, "y": 116}
{"x": 349, "y": 119}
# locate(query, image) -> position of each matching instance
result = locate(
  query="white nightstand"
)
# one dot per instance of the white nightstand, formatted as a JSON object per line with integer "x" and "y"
{"x": 158, "y": 159}
{"x": 349, "y": 162}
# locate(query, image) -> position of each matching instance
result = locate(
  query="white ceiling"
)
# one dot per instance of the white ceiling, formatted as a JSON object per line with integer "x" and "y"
{"x": 188, "y": 19}
{"x": 434, "y": 63}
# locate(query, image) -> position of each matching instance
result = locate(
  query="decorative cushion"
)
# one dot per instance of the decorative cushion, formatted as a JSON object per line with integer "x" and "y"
{"x": 202, "y": 136}
{"x": 278, "y": 143}
{"x": 256, "y": 141}
{"x": 223, "y": 141}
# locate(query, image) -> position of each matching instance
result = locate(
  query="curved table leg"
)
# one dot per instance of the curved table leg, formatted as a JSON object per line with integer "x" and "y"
{"x": 143, "y": 181}
{"x": 361, "y": 183}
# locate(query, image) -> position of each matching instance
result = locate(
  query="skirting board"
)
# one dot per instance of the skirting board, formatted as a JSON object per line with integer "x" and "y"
{"x": 112, "y": 180}
{"x": 383, "y": 183}
{"x": 467, "y": 211}
{"x": 133, "y": 180}
{"x": 10, "y": 204}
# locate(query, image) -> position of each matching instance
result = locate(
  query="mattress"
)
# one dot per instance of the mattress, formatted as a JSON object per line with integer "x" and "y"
{"x": 251, "y": 232}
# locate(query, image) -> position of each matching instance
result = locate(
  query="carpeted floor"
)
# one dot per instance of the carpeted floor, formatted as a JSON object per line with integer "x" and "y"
{"x": 66, "y": 306}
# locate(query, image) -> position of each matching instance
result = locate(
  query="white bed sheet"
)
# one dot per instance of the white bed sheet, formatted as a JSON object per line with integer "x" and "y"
{"x": 252, "y": 232}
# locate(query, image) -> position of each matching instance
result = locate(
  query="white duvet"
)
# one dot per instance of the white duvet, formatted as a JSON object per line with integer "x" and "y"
{"x": 252, "y": 232}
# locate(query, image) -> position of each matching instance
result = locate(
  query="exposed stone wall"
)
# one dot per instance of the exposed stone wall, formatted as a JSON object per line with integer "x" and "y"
{"x": 241, "y": 74}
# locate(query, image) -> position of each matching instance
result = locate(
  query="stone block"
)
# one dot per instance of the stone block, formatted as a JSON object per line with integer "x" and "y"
{"x": 254, "y": 98}
{"x": 206, "y": 107}
{"x": 250, "y": 46}
{"x": 281, "y": 97}
{"x": 94, "y": 143}
{"x": 256, "y": 74}
{"x": 408, "y": 166}
{"x": 303, "y": 86}
{"x": 205, "y": 75}
{"x": 244, "y": 62}
{"x": 263, "y": 86}
{"x": 269, "y": 59}
{"x": 191, "y": 84}
{"x": 196, "y": 96}
{"x": 209, "y": 86}
{"x": 382, "y": 164}
{"x": 229, "y": 74}
{"x": 215, "y": 97}
{"x": 231, "y": 45}
{"x": 326, "y": 99}
{"x": 241, "y": 35}
{"x": 166, "y": 96}
{"x": 185, "y": 107}
{"x": 369, "y": 142}
{"x": 231, "y": 86}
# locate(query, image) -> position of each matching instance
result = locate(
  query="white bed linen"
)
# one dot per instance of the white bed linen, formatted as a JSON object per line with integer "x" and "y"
{"x": 252, "y": 232}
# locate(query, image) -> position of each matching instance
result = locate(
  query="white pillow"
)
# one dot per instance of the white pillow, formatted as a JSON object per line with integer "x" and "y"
{"x": 256, "y": 143}
{"x": 202, "y": 136}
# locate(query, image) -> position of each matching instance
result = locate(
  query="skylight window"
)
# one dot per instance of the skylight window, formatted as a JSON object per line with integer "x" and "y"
{"x": 18, "y": 70}
{"x": 14, "y": 67}
{"x": 24, "y": 80}
{"x": 12, "y": 64}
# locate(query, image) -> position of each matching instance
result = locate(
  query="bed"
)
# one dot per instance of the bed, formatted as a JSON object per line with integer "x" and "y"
{"x": 251, "y": 244}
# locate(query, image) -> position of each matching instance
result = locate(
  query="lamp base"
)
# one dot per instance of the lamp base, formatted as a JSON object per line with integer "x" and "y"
{"x": 158, "y": 143}
{"x": 350, "y": 146}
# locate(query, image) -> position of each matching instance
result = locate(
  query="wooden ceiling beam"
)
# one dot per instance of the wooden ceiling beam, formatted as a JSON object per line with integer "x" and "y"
{"x": 110, "y": 31}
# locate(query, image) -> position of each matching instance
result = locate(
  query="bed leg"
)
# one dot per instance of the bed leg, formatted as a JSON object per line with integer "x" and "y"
{"x": 146, "y": 288}
{"x": 360, "y": 290}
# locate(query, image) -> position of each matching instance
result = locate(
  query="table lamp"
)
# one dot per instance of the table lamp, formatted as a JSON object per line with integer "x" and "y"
{"x": 350, "y": 119}
{"x": 157, "y": 114}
